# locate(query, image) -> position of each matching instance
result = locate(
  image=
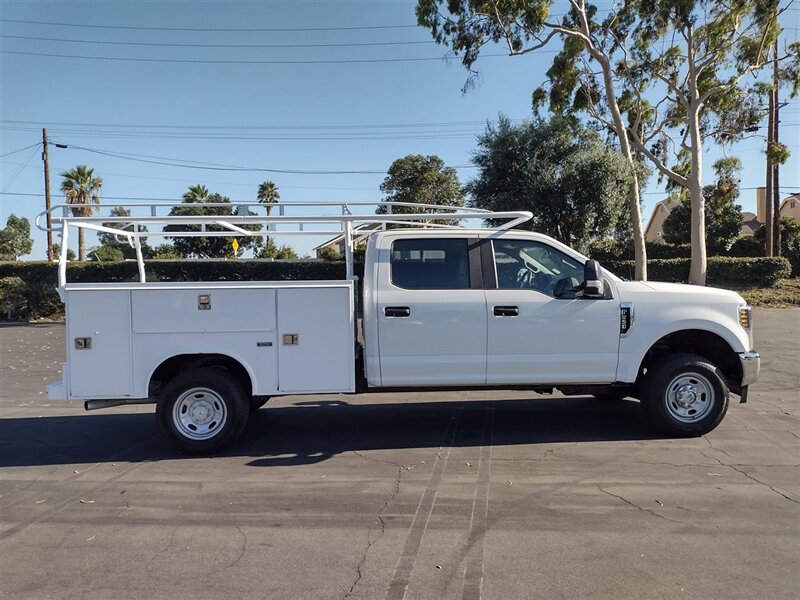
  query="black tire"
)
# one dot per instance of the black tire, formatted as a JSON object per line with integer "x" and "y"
{"x": 257, "y": 402}
{"x": 203, "y": 410}
{"x": 685, "y": 395}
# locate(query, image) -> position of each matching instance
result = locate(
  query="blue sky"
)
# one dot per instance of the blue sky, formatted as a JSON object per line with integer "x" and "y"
{"x": 349, "y": 116}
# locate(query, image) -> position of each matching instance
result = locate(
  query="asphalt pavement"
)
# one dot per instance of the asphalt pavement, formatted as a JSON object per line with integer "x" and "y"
{"x": 495, "y": 495}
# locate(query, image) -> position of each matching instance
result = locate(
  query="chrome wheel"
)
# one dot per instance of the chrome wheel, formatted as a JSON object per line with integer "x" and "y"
{"x": 689, "y": 397}
{"x": 199, "y": 413}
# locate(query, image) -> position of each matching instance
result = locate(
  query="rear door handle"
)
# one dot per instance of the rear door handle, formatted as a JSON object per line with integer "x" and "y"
{"x": 506, "y": 311}
{"x": 397, "y": 311}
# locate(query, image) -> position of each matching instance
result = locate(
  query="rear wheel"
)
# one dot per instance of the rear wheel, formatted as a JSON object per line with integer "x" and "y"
{"x": 685, "y": 395}
{"x": 203, "y": 410}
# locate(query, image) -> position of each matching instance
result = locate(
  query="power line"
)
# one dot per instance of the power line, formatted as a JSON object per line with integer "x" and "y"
{"x": 173, "y": 45}
{"x": 41, "y": 194}
{"x": 177, "y": 162}
{"x": 20, "y": 150}
{"x": 253, "y": 62}
{"x": 38, "y": 124}
{"x": 210, "y": 29}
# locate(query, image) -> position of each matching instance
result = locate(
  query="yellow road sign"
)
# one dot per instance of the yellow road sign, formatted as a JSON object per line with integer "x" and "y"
{"x": 235, "y": 245}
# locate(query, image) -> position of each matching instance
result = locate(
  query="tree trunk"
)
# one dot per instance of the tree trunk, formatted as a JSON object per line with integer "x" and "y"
{"x": 639, "y": 249}
{"x": 697, "y": 272}
{"x": 81, "y": 244}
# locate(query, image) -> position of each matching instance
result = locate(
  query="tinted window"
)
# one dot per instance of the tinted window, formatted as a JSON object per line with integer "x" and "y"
{"x": 524, "y": 264}
{"x": 430, "y": 264}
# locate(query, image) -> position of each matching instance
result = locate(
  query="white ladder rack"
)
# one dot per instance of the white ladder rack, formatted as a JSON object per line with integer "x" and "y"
{"x": 325, "y": 218}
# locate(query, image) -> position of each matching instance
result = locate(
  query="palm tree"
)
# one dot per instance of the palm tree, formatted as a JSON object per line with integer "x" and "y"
{"x": 268, "y": 194}
{"x": 81, "y": 189}
{"x": 197, "y": 193}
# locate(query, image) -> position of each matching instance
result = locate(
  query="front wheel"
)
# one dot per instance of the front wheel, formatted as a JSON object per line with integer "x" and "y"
{"x": 685, "y": 395}
{"x": 202, "y": 410}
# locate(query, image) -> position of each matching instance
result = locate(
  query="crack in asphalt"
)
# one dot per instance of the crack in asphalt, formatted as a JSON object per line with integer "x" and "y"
{"x": 710, "y": 445}
{"x": 640, "y": 508}
{"x": 379, "y": 519}
{"x": 734, "y": 467}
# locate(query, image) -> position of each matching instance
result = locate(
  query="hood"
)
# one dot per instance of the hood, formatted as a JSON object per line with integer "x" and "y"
{"x": 695, "y": 292}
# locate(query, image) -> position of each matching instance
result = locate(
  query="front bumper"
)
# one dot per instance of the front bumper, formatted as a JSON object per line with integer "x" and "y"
{"x": 751, "y": 365}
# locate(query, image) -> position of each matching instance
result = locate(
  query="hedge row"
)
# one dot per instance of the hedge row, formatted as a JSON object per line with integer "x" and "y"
{"x": 723, "y": 271}
{"x": 745, "y": 247}
{"x": 609, "y": 250}
{"x": 30, "y": 286}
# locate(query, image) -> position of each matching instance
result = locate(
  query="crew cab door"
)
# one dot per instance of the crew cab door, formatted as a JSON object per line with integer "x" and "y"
{"x": 534, "y": 337}
{"x": 431, "y": 313}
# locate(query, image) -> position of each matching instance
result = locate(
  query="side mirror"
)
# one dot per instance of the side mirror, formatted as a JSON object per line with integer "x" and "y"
{"x": 593, "y": 280}
{"x": 567, "y": 288}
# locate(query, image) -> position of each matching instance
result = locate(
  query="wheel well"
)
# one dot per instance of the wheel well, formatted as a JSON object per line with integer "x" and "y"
{"x": 176, "y": 365}
{"x": 697, "y": 341}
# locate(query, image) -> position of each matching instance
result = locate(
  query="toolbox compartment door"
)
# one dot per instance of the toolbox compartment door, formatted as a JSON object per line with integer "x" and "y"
{"x": 316, "y": 343}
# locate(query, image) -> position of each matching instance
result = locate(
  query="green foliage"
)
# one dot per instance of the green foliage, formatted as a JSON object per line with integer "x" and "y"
{"x": 40, "y": 278}
{"x": 790, "y": 241}
{"x": 57, "y": 252}
{"x": 722, "y": 270}
{"x": 746, "y": 245}
{"x": 268, "y": 194}
{"x": 165, "y": 252}
{"x": 272, "y": 250}
{"x": 197, "y": 202}
{"x": 777, "y": 153}
{"x": 663, "y": 76}
{"x": 120, "y": 243}
{"x": 575, "y": 186}
{"x": 15, "y": 238}
{"x": 106, "y": 253}
{"x": 14, "y": 290}
{"x": 328, "y": 253}
{"x": 723, "y": 217}
{"x": 82, "y": 190}
{"x": 623, "y": 250}
{"x": 420, "y": 179}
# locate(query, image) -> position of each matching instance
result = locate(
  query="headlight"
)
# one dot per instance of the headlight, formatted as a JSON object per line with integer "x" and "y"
{"x": 745, "y": 316}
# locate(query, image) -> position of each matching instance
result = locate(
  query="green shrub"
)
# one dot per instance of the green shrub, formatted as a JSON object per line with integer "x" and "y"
{"x": 723, "y": 271}
{"x": 14, "y": 290}
{"x": 107, "y": 254}
{"x": 613, "y": 250}
{"x": 41, "y": 278}
{"x": 747, "y": 245}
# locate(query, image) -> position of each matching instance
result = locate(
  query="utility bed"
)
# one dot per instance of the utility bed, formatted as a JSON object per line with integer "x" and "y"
{"x": 122, "y": 332}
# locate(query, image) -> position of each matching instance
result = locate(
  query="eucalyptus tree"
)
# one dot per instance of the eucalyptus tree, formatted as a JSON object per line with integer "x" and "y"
{"x": 15, "y": 238}
{"x": 82, "y": 190}
{"x": 663, "y": 75}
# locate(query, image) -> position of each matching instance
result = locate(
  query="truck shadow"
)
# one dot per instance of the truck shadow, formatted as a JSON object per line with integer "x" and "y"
{"x": 308, "y": 433}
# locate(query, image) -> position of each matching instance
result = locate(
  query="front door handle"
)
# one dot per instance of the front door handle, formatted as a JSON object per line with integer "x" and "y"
{"x": 397, "y": 311}
{"x": 506, "y": 311}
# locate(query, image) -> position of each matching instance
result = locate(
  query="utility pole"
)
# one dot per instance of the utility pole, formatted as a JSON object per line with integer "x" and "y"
{"x": 769, "y": 227}
{"x": 776, "y": 190}
{"x": 45, "y": 158}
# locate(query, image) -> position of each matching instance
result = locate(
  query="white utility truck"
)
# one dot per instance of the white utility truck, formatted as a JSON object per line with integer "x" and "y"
{"x": 443, "y": 305}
